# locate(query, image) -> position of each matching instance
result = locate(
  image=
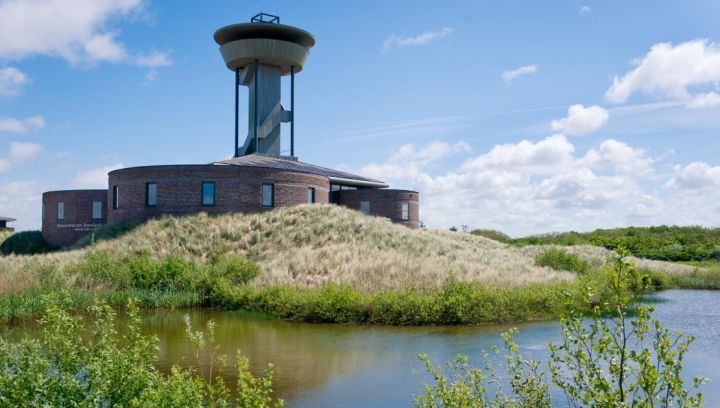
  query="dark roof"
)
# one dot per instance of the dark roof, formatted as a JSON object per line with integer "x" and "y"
{"x": 7, "y": 219}
{"x": 258, "y": 160}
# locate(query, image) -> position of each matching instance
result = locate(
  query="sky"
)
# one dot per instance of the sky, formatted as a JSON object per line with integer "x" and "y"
{"x": 522, "y": 116}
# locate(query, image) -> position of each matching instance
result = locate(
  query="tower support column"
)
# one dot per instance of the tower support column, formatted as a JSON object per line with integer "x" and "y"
{"x": 237, "y": 109}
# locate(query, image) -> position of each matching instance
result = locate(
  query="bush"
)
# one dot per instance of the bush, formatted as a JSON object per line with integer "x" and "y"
{"x": 77, "y": 365}
{"x": 25, "y": 243}
{"x": 608, "y": 360}
{"x": 561, "y": 260}
{"x": 664, "y": 243}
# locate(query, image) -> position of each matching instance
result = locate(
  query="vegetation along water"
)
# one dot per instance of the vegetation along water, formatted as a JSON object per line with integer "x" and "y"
{"x": 326, "y": 264}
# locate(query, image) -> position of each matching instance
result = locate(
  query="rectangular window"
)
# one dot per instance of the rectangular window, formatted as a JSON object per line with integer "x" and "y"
{"x": 61, "y": 211}
{"x": 97, "y": 210}
{"x": 208, "y": 193}
{"x": 268, "y": 195}
{"x": 115, "y": 198}
{"x": 311, "y": 195}
{"x": 404, "y": 211}
{"x": 365, "y": 207}
{"x": 151, "y": 194}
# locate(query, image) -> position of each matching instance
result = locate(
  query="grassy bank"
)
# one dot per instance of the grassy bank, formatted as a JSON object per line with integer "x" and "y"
{"x": 321, "y": 263}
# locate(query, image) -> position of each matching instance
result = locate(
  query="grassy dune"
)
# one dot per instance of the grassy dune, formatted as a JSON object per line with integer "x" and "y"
{"x": 319, "y": 262}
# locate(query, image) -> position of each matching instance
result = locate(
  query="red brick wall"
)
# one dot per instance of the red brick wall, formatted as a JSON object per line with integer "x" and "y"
{"x": 237, "y": 189}
{"x": 385, "y": 203}
{"x": 78, "y": 220}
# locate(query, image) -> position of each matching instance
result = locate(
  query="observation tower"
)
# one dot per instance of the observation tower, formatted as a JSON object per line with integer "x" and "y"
{"x": 260, "y": 53}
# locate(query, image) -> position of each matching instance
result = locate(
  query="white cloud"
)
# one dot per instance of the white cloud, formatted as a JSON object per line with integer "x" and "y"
{"x": 95, "y": 178}
{"x": 155, "y": 59}
{"x": 13, "y": 125}
{"x": 706, "y": 100}
{"x": 618, "y": 157}
{"x": 585, "y": 10}
{"x": 529, "y": 186}
{"x": 22, "y": 199}
{"x": 5, "y": 165}
{"x": 695, "y": 176}
{"x": 407, "y": 160}
{"x": 22, "y": 151}
{"x": 12, "y": 81}
{"x": 79, "y": 31}
{"x": 395, "y": 41}
{"x": 509, "y": 75}
{"x": 581, "y": 120}
{"x": 670, "y": 71}
{"x": 540, "y": 157}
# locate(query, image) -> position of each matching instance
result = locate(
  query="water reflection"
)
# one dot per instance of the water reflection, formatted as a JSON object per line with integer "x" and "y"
{"x": 322, "y": 365}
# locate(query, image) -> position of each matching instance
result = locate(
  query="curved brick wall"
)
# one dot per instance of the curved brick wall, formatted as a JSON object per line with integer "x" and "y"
{"x": 78, "y": 220}
{"x": 385, "y": 203}
{"x": 237, "y": 189}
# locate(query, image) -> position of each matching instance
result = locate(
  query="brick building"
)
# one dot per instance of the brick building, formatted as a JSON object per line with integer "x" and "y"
{"x": 257, "y": 177}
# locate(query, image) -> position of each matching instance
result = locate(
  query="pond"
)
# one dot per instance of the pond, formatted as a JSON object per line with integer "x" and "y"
{"x": 323, "y": 365}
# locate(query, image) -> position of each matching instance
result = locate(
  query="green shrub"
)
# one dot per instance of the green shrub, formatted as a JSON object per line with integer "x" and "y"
{"x": 25, "y": 243}
{"x": 77, "y": 365}
{"x": 665, "y": 243}
{"x": 561, "y": 260}
{"x": 606, "y": 360}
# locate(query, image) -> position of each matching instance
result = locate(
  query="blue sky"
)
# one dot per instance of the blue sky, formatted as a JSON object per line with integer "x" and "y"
{"x": 522, "y": 116}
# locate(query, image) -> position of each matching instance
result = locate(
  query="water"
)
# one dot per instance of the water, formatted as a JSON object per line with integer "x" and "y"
{"x": 319, "y": 365}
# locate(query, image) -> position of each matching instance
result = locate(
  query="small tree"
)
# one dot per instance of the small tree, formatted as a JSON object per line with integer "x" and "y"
{"x": 618, "y": 356}
{"x": 619, "y": 360}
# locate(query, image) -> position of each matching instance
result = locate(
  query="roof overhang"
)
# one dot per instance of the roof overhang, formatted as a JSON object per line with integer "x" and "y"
{"x": 362, "y": 183}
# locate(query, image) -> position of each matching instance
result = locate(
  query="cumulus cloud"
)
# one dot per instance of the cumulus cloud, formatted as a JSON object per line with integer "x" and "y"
{"x": 695, "y": 176}
{"x": 79, "y": 31}
{"x": 12, "y": 81}
{"x": 407, "y": 160}
{"x": 95, "y": 178}
{"x": 22, "y": 199}
{"x": 13, "y": 125}
{"x": 509, "y": 75}
{"x": 670, "y": 71}
{"x": 581, "y": 120}
{"x": 396, "y": 41}
{"x": 543, "y": 156}
{"x": 618, "y": 157}
{"x": 585, "y": 10}
{"x": 706, "y": 100}
{"x": 21, "y": 151}
{"x": 528, "y": 186}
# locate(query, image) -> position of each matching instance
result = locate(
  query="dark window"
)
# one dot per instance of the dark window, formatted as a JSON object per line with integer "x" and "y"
{"x": 116, "y": 198}
{"x": 61, "y": 211}
{"x": 97, "y": 210}
{"x": 151, "y": 194}
{"x": 208, "y": 193}
{"x": 268, "y": 195}
{"x": 365, "y": 207}
{"x": 311, "y": 195}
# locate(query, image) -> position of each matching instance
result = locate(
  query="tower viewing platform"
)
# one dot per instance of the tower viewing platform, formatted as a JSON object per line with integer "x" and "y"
{"x": 260, "y": 53}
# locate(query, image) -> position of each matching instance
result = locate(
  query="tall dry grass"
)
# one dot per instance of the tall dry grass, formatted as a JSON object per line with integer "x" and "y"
{"x": 308, "y": 246}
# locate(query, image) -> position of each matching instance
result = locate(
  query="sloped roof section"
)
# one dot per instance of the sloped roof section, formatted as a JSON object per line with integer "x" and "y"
{"x": 335, "y": 176}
